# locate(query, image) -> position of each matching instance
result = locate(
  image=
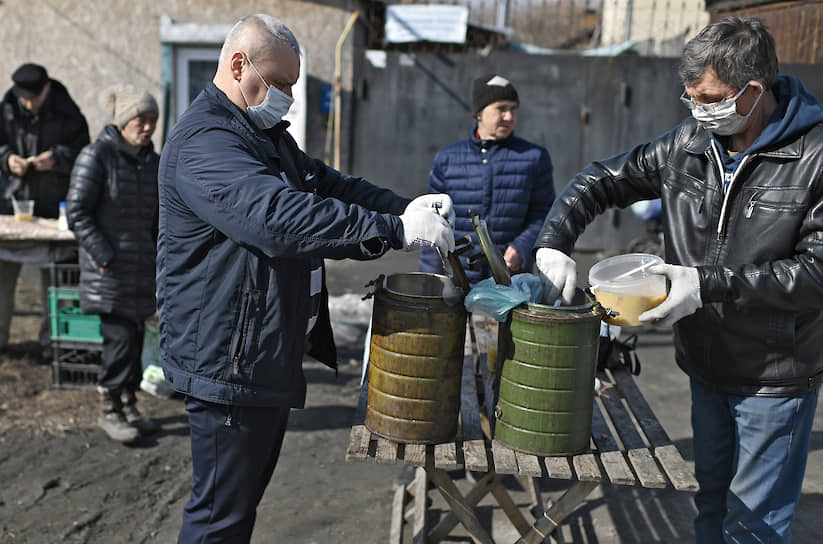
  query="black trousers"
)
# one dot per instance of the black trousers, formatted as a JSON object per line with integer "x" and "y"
{"x": 122, "y": 351}
{"x": 234, "y": 450}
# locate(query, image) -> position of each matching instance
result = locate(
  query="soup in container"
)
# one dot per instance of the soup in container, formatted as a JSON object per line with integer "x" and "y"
{"x": 624, "y": 285}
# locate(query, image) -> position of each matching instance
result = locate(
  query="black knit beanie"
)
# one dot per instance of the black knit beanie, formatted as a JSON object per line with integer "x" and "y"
{"x": 491, "y": 88}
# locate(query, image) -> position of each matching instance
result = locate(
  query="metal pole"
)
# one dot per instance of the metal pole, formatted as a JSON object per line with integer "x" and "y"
{"x": 503, "y": 13}
{"x": 338, "y": 61}
{"x": 629, "y": 9}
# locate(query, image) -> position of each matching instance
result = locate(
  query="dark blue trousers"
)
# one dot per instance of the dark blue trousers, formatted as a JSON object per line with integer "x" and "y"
{"x": 234, "y": 450}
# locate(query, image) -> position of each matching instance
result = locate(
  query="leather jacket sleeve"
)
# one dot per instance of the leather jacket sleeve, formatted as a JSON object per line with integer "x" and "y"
{"x": 615, "y": 182}
{"x": 735, "y": 263}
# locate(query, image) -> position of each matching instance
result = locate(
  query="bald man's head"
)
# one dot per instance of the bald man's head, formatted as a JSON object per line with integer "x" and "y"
{"x": 259, "y": 36}
{"x": 259, "y": 52}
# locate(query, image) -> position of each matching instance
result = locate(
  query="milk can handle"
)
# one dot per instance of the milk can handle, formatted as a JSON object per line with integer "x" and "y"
{"x": 605, "y": 313}
{"x": 377, "y": 283}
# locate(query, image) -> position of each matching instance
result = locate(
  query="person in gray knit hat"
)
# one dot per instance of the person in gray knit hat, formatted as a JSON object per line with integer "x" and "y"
{"x": 504, "y": 179}
{"x": 112, "y": 210}
{"x": 126, "y": 102}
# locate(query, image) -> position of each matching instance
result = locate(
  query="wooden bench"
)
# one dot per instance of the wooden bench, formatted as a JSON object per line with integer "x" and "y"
{"x": 629, "y": 447}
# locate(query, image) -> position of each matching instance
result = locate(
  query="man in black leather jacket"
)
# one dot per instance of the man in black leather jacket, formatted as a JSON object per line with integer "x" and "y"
{"x": 741, "y": 184}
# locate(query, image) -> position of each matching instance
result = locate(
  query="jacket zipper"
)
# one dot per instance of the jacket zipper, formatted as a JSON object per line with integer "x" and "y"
{"x": 751, "y": 204}
{"x": 235, "y": 366}
{"x": 722, "y": 222}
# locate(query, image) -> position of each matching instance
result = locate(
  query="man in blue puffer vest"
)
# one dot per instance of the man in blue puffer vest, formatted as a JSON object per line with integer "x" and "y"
{"x": 504, "y": 179}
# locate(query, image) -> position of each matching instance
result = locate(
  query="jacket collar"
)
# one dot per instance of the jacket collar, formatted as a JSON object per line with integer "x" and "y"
{"x": 697, "y": 141}
{"x": 477, "y": 142}
{"x": 241, "y": 120}
{"x": 110, "y": 135}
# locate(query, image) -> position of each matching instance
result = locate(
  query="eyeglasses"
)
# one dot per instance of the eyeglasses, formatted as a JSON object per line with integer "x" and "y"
{"x": 691, "y": 104}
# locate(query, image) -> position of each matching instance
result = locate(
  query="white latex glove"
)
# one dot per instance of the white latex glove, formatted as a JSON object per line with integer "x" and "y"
{"x": 683, "y": 299}
{"x": 559, "y": 274}
{"x": 421, "y": 228}
{"x": 441, "y": 204}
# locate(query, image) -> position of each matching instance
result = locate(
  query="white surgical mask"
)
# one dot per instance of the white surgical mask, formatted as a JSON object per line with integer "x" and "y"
{"x": 269, "y": 112}
{"x": 722, "y": 117}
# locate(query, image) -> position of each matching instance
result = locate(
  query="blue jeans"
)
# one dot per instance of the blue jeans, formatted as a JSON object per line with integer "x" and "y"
{"x": 749, "y": 459}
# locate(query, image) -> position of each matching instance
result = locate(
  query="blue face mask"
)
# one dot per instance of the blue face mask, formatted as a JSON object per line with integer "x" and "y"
{"x": 271, "y": 111}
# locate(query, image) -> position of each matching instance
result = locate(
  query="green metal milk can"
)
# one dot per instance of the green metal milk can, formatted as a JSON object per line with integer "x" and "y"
{"x": 415, "y": 360}
{"x": 546, "y": 390}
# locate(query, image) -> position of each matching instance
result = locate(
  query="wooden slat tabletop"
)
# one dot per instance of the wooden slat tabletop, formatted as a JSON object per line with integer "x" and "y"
{"x": 629, "y": 446}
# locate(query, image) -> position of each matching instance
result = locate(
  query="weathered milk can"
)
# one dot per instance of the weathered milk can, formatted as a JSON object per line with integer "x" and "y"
{"x": 549, "y": 358}
{"x": 415, "y": 359}
{"x": 546, "y": 390}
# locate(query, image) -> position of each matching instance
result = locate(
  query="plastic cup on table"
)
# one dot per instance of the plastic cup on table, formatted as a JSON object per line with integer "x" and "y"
{"x": 23, "y": 210}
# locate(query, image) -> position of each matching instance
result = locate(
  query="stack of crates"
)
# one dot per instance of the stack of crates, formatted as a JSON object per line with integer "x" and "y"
{"x": 76, "y": 339}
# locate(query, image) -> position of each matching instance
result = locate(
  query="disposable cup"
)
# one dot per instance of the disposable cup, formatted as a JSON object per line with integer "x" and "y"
{"x": 23, "y": 209}
{"x": 625, "y": 288}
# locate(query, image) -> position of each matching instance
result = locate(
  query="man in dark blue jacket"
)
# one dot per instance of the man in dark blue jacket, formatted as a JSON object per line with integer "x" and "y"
{"x": 494, "y": 174}
{"x": 245, "y": 222}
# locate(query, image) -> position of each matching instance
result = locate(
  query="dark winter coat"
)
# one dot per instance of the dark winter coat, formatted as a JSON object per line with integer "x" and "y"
{"x": 245, "y": 217}
{"x": 58, "y": 126}
{"x": 508, "y": 182}
{"x": 758, "y": 247}
{"x": 112, "y": 210}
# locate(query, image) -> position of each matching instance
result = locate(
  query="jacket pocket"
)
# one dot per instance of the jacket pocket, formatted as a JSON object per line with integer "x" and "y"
{"x": 246, "y": 333}
{"x": 773, "y": 203}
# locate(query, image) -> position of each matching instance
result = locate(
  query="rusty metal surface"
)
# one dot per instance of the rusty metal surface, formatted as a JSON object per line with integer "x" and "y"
{"x": 797, "y": 27}
{"x": 415, "y": 360}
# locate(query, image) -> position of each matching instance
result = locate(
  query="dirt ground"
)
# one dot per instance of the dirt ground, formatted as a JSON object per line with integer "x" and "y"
{"x": 64, "y": 481}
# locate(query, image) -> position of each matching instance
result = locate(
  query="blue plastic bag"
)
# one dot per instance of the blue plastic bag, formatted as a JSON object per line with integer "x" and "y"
{"x": 489, "y": 298}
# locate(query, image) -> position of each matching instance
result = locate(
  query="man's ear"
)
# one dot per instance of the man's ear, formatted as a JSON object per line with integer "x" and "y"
{"x": 236, "y": 64}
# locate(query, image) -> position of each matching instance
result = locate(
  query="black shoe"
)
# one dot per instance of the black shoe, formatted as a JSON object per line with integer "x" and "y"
{"x": 140, "y": 422}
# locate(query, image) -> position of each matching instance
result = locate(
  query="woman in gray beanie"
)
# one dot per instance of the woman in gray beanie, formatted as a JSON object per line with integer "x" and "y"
{"x": 112, "y": 210}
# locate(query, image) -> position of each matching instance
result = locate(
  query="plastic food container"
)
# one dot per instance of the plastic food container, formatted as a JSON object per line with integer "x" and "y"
{"x": 624, "y": 285}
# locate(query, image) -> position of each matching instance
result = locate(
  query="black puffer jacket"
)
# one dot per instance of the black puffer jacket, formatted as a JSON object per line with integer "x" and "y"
{"x": 112, "y": 210}
{"x": 58, "y": 126}
{"x": 758, "y": 248}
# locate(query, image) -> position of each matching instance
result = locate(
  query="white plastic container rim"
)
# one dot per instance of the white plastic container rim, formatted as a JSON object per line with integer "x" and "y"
{"x": 627, "y": 270}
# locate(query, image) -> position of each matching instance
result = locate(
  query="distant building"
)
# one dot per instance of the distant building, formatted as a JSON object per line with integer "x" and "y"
{"x": 658, "y": 27}
{"x": 171, "y": 49}
{"x": 797, "y": 26}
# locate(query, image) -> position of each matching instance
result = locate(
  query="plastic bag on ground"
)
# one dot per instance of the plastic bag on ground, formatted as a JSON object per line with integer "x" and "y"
{"x": 489, "y": 298}
{"x": 153, "y": 381}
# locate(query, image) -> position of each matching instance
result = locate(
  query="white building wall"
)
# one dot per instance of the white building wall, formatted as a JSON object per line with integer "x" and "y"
{"x": 660, "y": 26}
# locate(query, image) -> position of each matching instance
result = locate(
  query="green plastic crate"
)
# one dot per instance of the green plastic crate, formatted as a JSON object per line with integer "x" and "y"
{"x": 67, "y": 322}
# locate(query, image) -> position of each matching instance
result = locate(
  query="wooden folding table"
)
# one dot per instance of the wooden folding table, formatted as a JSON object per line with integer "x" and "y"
{"x": 629, "y": 447}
